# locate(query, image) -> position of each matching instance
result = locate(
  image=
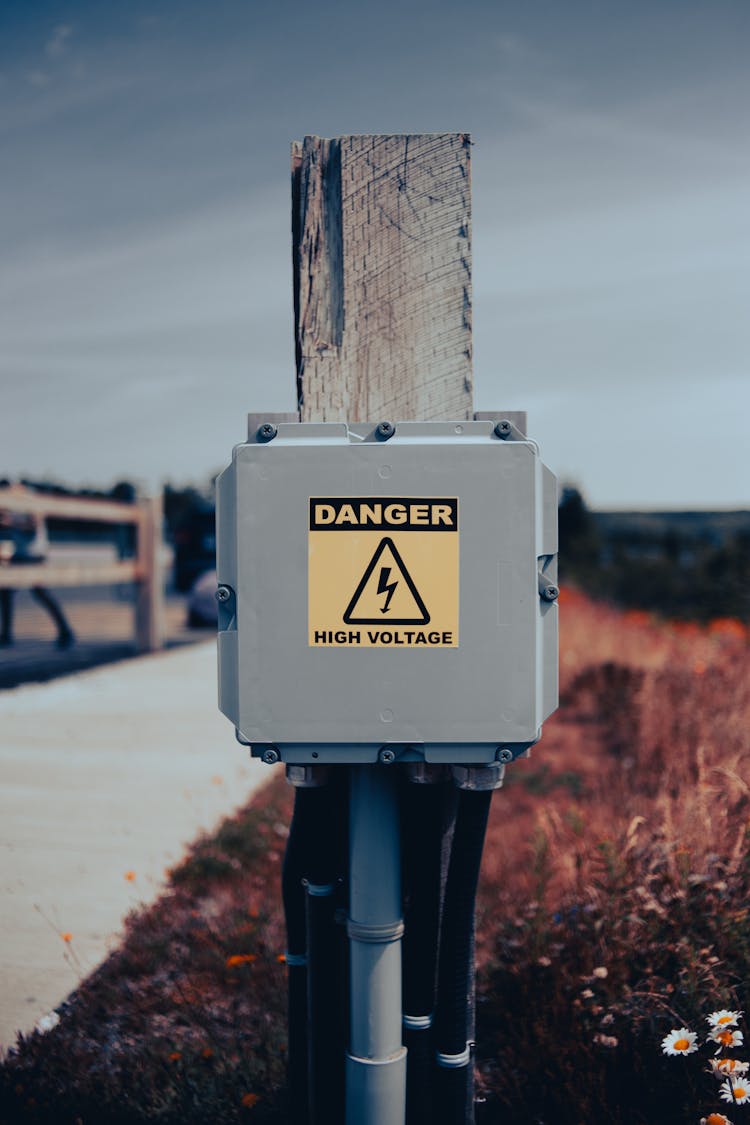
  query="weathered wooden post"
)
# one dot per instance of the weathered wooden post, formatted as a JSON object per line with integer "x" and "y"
{"x": 381, "y": 229}
{"x": 382, "y": 277}
{"x": 387, "y": 625}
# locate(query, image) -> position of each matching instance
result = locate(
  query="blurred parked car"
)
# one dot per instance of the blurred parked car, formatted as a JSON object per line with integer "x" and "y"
{"x": 202, "y": 607}
{"x": 194, "y": 548}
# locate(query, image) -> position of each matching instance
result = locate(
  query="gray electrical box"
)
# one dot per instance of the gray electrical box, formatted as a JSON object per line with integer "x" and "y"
{"x": 387, "y": 587}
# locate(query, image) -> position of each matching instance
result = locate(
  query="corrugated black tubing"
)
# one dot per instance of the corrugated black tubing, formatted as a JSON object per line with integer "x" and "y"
{"x": 421, "y": 834}
{"x": 293, "y": 893}
{"x": 324, "y": 868}
{"x": 454, "y": 1087}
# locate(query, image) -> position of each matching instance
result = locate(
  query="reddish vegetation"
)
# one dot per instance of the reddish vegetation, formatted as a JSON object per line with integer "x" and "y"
{"x": 613, "y": 907}
{"x": 626, "y": 852}
{"x": 653, "y": 724}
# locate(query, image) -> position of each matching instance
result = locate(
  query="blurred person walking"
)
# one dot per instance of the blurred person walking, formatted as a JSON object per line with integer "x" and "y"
{"x": 23, "y": 541}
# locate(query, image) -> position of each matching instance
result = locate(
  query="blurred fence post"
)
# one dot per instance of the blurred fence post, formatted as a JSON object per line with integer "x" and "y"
{"x": 149, "y": 598}
{"x": 146, "y": 570}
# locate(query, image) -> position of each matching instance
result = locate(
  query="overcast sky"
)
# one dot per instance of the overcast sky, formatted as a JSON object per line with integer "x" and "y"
{"x": 145, "y": 280}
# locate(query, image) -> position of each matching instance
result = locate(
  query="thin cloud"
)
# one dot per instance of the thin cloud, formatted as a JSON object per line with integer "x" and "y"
{"x": 57, "y": 44}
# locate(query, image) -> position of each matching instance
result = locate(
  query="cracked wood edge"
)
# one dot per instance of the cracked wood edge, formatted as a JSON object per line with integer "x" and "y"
{"x": 381, "y": 229}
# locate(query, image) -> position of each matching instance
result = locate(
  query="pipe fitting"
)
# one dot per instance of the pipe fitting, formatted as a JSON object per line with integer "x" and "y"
{"x": 418, "y": 1023}
{"x": 308, "y": 777}
{"x": 426, "y": 773}
{"x": 453, "y": 1062}
{"x": 319, "y": 890}
{"x": 374, "y": 934}
{"x": 295, "y": 960}
{"x": 480, "y": 779}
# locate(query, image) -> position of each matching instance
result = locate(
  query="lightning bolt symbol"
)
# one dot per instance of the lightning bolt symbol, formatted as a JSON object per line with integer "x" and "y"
{"x": 386, "y": 587}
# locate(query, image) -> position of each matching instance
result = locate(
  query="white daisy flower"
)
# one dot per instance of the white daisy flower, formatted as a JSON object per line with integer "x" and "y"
{"x": 715, "y": 1119}
{"x": 680, "y": 1041}
{"x": 723, "y": 1018}
{"x": 735, "y": 1090}
{"x": 726, "y": 1037}
{"x": 720, "y": 1067}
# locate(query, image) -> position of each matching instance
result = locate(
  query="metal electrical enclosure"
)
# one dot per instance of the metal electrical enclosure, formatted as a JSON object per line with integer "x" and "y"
{"x": 387, "y": 588}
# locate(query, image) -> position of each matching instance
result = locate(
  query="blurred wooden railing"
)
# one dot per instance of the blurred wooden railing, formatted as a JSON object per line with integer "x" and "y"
{"x": 144, "y": 569}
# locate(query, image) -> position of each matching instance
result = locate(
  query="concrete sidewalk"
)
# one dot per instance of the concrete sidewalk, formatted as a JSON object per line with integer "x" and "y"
{"x": 105, "y": 777}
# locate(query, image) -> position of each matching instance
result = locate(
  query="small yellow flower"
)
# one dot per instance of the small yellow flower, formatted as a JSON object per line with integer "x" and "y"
{"x": 130, "y": 876}
{"x": 66, "y": 936}
{"x": 175, "y": 1056}
{"x": 723, "y": 1018}
{"x": 281, "y": 958}
{"x": 241, "y": 959}
{"x": 680, "y": 1041}
{"x": 727, "y": 1038}
{"x": 735, "y": 1090}
{"x": 249, "y": 1100}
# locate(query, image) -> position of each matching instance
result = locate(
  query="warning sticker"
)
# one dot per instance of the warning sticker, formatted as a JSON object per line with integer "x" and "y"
{"x": 383, "y": 572}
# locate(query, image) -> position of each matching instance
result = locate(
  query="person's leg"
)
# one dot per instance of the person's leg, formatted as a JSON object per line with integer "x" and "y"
{"x": 6, "y": 617}
{"x": 65, "y": 635}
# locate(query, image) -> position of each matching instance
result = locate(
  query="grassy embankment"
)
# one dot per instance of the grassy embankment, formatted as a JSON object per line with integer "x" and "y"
{"x": 614, "y": 907}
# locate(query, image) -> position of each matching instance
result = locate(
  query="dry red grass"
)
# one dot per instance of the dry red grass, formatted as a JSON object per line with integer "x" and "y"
{"x": 652, "y": 739}
{"x": 625, "y": 852}
{"x": 613, "y": 904}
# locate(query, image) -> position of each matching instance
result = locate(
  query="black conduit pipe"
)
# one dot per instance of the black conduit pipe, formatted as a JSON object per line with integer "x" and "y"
{"x": 422, "y": 828}
{"x": 454, "y": 1085}
{"x": 293, "y": 893}
{"x": 324, "y": 866}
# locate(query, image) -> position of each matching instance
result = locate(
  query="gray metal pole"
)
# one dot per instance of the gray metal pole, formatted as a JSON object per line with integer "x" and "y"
{"x": 376, "y": 1060}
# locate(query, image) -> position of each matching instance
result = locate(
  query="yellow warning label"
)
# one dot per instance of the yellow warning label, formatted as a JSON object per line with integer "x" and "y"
{"x": 383, "y": 572}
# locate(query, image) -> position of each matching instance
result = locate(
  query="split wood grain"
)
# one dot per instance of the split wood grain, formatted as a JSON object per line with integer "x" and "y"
{"x": 381, "y": 229}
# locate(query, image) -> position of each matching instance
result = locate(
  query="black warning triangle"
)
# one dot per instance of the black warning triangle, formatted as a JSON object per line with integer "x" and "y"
{"x": 379, "y": 587}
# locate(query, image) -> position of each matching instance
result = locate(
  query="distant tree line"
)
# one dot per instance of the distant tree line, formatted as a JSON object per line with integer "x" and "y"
{"x": 689, "y": 565}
